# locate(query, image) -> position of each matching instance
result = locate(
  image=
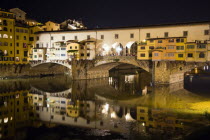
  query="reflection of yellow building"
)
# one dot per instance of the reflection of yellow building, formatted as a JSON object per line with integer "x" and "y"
{"x": 72, "y": 109}
{"x": 158, "y": 119}
{"x": 14, "y": 112}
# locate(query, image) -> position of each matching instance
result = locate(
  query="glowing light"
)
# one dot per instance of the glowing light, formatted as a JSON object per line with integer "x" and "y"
{"x": 115, "y": 45}
{"x": 143, "y": 124}
{"x": 105, "y": 109}
{"x": 196, "y": 70}
{"x": 118, "y": 49}
{"x": 128, "y": 117}
{"x": 129, "y": 44}
{"x": 6, "y": 120}
{"x": 11, "y": 118}
{"x": 106, "y": 47}
{"x": 113, "y": 115}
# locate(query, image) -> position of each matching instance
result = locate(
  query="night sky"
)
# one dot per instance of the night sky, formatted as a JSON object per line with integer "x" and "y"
{"x": 114, "y": 13}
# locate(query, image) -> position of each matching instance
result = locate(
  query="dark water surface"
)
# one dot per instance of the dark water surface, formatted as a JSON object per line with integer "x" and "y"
{"x": 123, "y": 106}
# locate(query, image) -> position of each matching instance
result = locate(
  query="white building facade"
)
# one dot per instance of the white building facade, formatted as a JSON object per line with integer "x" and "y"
{"x": 119, "y": 41}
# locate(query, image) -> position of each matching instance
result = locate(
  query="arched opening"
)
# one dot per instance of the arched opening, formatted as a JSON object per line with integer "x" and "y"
{"x": 131, "y": 48}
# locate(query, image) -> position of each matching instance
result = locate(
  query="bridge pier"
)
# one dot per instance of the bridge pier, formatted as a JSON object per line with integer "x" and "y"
{"x": 164, "y": 72}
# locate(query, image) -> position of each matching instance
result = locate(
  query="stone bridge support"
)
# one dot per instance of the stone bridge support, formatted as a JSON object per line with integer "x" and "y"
{"x": 163, "y": 72}
{"x": 168, "y": 72}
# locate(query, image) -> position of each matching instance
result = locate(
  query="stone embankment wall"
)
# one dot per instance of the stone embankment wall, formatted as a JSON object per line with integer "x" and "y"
{"x": 18, "y": 71}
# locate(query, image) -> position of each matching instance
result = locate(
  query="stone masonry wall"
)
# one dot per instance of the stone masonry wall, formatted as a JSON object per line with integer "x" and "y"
{"x": 17, "y": 71}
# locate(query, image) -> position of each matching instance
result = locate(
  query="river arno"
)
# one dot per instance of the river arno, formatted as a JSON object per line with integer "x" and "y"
{"x": 123, "y": 106}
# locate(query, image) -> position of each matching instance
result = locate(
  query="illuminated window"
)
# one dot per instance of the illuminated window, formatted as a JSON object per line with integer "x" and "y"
{"x": 5, "y": 36}
{"x": 171, "y": 40}
{"x": 6, "y": 120}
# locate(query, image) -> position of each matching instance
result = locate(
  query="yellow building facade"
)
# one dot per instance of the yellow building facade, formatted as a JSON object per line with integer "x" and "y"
{"x": 173, "y": 49}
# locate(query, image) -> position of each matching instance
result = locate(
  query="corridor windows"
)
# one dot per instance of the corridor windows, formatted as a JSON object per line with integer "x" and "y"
{"x": 102, "y": 36}
{"x": 206, "y": 32}
{"x": 180, "y": 40}
{"x": 190, "y": 46}
{"x": 166, "y": 34}
{"x": 190, "y": 55}
{"x": 116, "y": 36}
{"x": 131, "y": 35}
{"x": 88, "y": 37}
{"x": 148, "y": 35}
{"x": 160, "y": 41}
{"x": 185, "y": 33}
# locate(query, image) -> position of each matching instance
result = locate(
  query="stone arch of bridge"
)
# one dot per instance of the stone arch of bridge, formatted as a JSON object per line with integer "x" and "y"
{"x": 102, "y": 70}
{"x": 62, "y": 63}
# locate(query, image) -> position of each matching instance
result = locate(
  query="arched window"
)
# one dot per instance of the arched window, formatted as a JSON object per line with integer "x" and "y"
{"x": 201, "y": 55}
{"x": 5, "y": 52}
{"x": 5, "y": 36}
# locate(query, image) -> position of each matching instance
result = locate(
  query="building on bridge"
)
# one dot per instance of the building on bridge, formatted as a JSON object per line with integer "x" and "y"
{"x": 174, "y": 49}
{"x": 170, "y": 40}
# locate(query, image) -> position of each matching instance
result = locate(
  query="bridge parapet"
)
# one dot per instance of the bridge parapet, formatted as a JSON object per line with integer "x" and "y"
{"x": 65, "y": 63}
